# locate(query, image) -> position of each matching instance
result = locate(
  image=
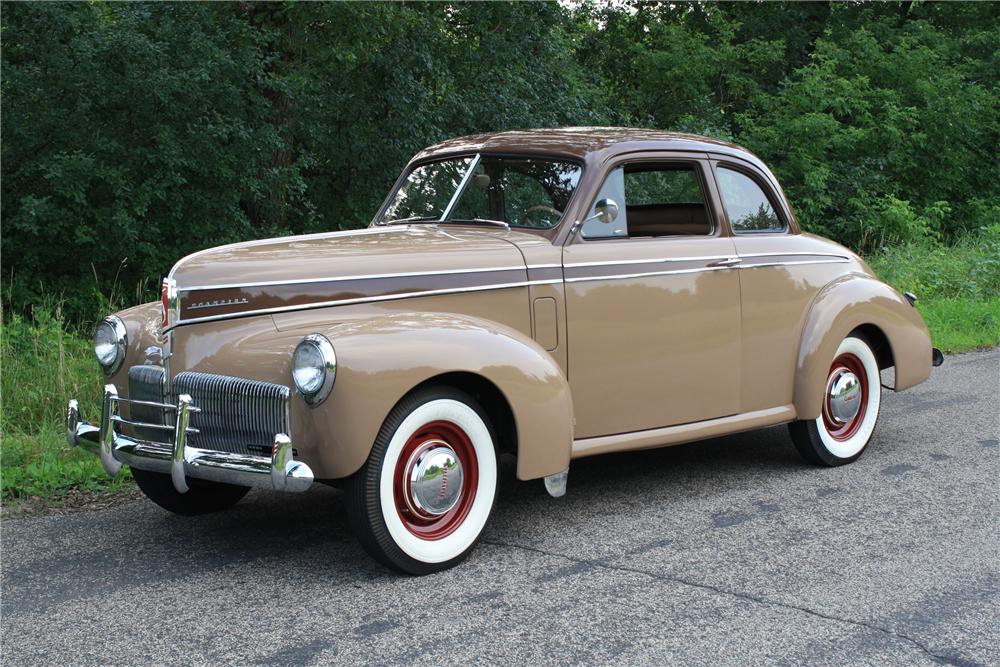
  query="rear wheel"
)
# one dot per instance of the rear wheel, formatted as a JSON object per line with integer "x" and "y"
{"x": 421, "y": 501}
{"x": 851, "y": 402}
{"x": 201, "y": 498}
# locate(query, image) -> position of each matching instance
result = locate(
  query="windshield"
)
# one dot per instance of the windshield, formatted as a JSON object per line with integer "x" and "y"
{"x": 527, "y": 192}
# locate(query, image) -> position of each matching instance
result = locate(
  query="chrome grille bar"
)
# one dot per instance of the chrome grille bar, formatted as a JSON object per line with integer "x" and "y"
{"x": 236, "y": 415}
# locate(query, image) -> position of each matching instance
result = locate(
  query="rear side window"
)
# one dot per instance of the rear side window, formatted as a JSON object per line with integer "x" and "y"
{"x": 748, "y": 207}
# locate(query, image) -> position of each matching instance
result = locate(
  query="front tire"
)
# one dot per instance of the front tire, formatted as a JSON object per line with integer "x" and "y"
{"x": 202, "y": 497}
{"x": 851, "y": 402}
{"x": 421, "y": 501}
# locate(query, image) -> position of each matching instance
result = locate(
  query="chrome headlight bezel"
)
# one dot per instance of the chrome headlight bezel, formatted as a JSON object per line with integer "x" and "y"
{"x": 315, "y": 393}
{"x": 117, "y": 340}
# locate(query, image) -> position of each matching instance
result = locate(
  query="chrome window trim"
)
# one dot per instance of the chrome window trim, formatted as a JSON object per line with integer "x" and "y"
{"x": 460, "y": 190}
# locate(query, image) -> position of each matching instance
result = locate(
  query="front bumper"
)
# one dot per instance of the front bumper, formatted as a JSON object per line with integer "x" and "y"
{"x": 280, "y": 472}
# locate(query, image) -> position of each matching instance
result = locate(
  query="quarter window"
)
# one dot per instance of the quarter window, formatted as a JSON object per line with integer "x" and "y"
{"x": 748, "y": 207}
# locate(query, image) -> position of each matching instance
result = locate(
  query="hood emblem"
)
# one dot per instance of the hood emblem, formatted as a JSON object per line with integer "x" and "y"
{"x": 218, "y": 303}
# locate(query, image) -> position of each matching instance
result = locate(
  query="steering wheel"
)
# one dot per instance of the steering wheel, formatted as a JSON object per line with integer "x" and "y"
{"x": 543, "y": 209}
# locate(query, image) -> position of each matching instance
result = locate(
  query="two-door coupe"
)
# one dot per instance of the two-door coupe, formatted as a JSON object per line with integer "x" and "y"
{"x": 551, "y": 294}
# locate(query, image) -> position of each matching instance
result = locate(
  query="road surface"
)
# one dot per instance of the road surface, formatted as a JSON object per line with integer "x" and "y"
{"x": 731, "y": 551}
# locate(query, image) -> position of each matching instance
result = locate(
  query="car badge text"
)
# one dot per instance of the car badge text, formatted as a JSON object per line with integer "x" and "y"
{"x": 218, "y": 303}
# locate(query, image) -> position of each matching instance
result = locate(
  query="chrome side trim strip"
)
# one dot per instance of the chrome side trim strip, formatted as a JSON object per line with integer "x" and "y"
{"x": 365, "y": 299}
{"x": 706, "y": 258}
{"x": 786, "y": 254}
{"x": 371, "y": 276}
{"x": 625, "y": 276}
{"x": 524, "y": 283}
{"x": 648, "y": 261}
{"x": 839, "y": 260}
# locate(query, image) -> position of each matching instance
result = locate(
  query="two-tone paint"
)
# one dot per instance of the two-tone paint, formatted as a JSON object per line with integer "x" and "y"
{"x": 579, "y": 346}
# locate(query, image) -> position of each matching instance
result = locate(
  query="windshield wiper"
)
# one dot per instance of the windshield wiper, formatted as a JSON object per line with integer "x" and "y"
{"x": 480, "y": 221}
{"x": 406, "y": 221}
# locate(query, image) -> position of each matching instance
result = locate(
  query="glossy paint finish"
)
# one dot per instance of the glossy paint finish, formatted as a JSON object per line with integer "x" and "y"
{"x": 653, "y": 333}
{"x": 595, "y": 345}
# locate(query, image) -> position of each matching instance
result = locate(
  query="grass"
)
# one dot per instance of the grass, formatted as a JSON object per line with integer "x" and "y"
{"x": 957, "y": 287}
{"x": 43, "y": 362}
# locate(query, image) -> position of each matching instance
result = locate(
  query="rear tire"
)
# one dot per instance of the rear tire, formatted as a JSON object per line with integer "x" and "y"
{"x": 833, "y": 439}
{"x": 202, "y": 497}
{"x": 402, "y": 507}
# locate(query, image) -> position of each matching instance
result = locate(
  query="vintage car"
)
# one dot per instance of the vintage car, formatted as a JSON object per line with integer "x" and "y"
{"x": 551, "y": 294}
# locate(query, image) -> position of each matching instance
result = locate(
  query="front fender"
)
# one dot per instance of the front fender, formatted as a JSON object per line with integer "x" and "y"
{"x": 852, "y": 301}
{"x": 381, "y": 358}
{"x": 142, "y": 325}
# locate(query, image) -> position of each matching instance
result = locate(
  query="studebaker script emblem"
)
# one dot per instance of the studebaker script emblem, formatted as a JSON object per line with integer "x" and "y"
{"x": 217, "y": 303}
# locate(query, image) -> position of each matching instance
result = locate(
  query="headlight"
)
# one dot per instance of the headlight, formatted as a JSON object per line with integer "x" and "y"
{"x": 314, "y": 366}
{"x": 110, "y": 342}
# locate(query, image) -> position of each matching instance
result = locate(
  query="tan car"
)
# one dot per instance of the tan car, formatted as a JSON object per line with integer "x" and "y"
{"x": 551, "y": 294}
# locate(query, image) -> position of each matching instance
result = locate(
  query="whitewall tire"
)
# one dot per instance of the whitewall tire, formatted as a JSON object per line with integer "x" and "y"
{"x": 421, "y": 501}
{"x": 851, "y": 401}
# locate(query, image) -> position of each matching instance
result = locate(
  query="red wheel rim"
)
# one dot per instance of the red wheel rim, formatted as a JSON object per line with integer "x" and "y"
{"x": 437, "y": 527}
{"x": 846, "y": 362}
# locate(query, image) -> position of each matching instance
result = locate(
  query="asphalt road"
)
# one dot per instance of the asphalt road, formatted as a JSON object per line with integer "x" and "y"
{"x": 725, "y": 552}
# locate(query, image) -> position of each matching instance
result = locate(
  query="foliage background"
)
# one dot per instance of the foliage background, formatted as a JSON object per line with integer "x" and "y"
{"x": 146, "y": 131}
{"x": 132, "y": 134}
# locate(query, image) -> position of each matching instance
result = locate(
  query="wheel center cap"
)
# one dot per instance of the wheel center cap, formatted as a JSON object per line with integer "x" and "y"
{"x": 435, "y": 479}
{"x": 845, "y": 396}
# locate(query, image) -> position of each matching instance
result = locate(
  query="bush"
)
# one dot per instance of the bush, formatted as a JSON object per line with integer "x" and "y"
{"x": 45, "y": 364}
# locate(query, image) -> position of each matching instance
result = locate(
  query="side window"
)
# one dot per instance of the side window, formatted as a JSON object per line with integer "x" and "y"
{"x": 748, "y": 207}
{"x": 665, "y": 200}
{"x": 654, "y": 199}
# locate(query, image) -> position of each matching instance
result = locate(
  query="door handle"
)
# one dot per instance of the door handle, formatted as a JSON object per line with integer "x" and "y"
{"x": 729, "y": 261}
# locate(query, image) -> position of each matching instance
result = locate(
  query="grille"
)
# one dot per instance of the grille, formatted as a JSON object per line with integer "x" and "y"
{"x": 237, "y": 415}
{"x": 147, "y": 383}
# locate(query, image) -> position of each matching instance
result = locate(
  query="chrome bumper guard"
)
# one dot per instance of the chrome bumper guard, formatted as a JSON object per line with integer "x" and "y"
{"x": 280, "y": 472}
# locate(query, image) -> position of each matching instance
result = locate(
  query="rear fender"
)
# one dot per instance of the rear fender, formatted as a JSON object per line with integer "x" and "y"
{"x": 852, "y": 301}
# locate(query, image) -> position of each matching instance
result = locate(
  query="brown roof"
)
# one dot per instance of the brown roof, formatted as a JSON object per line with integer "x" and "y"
{"x": 580, "y": 142}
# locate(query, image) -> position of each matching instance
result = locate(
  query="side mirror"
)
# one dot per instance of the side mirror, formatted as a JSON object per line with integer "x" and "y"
{"x": 606, "y": 210}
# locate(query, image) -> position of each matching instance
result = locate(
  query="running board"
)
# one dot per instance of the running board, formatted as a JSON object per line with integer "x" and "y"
{"x": 676, "y": 435}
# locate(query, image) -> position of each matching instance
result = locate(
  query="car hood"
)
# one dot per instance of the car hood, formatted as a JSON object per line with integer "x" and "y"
{"x": 274, "y": 275}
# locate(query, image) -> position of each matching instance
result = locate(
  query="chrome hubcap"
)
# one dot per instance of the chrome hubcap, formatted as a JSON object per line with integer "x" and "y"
{"x": 844, "y": 391}
{"x": 434, "y": 479}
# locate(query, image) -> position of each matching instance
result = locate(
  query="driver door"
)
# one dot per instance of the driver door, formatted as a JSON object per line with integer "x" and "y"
{"x": 653, "y": 303}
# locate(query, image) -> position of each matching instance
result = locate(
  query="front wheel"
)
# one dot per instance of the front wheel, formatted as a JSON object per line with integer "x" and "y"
{"x": 851, "y": 403}
{"x": 421, "y": 501}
